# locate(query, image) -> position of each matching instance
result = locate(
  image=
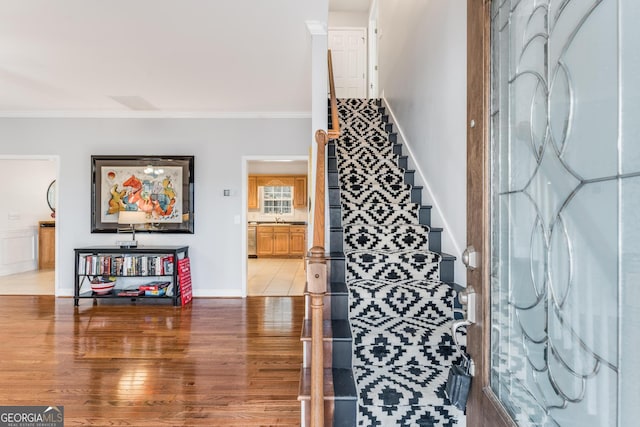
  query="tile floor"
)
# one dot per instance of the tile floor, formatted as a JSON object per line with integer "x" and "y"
{"x": 275, "y": 276}
{"x": 37, "y": 282}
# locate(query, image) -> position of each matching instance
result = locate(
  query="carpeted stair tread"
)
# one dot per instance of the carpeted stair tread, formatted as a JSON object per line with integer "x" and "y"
{"x": 388, "y": 165}
{"x": 348, "y": 108}
{"x": 427, "y": 416}
{"x": 415, "y": 385}
{"x": 401, "y": 265}
{"x": 357, "y": 126}
{"x": 375, "y": 194}
{"x": 384, "y": 354}
{"x": 376, "y": 164}
{"x": 352, "y": 143}
{"x": 386, "y": 237}
{"x": 362, "y": 150}
{"x": 364, "y": 132}
{"x": 358, "y": 103}
{"x": 391, "y": 189}
{"x": 405, "y": 331}
{"x": 382, "y": 165}
{"x": 409, "y": 298}
{"x": 380, "y": 213}
{"x": 362, "y": 177}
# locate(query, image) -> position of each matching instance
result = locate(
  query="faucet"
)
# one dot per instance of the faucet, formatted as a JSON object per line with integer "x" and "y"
{"x": 278, "y": 219}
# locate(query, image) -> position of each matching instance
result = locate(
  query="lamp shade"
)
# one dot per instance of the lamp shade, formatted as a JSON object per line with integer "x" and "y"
{"x": 132, "y": 217}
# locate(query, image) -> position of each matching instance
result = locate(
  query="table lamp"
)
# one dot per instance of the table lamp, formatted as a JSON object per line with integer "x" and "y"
{"x": 132, "y": 218}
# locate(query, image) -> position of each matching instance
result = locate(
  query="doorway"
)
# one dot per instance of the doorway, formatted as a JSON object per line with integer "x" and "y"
{"x": 349, "y": 55}
{"x": 275, "y": 196}
{"x": 27, "y": 225}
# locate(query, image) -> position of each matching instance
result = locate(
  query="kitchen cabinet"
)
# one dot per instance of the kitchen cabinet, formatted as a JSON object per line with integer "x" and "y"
{"x": 299, "y": 192}
{"x": 252, "y": 203}
{"x": 265, "y": 241}
{"x": 298, "y": 182}
{"x": 297, "y": 239}
{"x": 275, "y": 180}
{"x": 281, "y": 240}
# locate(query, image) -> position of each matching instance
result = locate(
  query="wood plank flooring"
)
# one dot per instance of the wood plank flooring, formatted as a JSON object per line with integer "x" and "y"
{"x": 219, "y": 362}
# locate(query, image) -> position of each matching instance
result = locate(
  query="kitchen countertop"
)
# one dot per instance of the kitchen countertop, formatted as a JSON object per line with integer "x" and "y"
{"x": 273, "y": 222}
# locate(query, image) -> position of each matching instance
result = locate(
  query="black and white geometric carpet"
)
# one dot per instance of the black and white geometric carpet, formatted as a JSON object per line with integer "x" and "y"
{"x": 399, "y": 311}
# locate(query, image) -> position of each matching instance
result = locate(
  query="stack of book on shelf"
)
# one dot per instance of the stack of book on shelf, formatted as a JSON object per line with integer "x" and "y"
{"x": 130, "y": 293}
{"x": 125, "y": 265}
{"x": 152, "y": 289}
{"x": 155, "y": 289}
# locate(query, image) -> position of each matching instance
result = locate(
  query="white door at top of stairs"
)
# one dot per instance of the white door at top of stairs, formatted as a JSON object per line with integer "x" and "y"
{"x": 349, "y": 53}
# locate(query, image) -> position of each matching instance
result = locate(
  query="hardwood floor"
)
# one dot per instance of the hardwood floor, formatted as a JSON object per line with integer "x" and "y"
{"x": 219, "y": 362}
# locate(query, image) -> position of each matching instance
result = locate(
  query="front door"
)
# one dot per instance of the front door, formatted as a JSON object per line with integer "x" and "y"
{"x": 553, "y": 202}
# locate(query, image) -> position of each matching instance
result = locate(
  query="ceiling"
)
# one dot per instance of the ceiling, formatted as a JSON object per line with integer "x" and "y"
{"x": 156, "y": 56}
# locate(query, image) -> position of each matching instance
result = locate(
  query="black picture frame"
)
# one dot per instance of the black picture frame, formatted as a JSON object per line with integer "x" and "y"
{"x": 170, "y": 203}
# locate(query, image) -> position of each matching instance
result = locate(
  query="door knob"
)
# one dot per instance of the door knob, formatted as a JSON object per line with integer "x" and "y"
{"x": 467, "y": 298}
{"x": 470, "y": 258}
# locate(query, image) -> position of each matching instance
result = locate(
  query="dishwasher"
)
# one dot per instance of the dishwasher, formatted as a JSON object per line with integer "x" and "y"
{"x": 252, "y": 235}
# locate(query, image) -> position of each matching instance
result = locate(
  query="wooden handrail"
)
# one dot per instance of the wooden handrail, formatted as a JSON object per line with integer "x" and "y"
{"x": 317, "y": 263}
{"x": 334, "y": 132}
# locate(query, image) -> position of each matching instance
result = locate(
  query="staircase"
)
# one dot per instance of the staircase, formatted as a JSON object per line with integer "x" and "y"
{"x": 390, "y": 305}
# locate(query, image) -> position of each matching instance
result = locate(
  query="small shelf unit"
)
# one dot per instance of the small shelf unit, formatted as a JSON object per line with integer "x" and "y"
{"x": 128, "y": 265}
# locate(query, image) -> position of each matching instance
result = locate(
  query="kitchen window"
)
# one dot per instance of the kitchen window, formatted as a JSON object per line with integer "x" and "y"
{"x": 277, "y": 200}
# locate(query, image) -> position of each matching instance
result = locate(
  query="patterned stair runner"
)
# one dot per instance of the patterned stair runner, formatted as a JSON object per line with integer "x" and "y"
{"x": 400, "y": 313}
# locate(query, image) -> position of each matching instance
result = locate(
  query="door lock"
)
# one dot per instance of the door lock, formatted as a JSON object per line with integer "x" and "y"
{"x": 467, "y": 298}
{"x": 470, "y": 258}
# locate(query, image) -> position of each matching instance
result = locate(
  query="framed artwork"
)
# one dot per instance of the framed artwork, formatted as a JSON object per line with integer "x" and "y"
{"x": 161, "y": 187}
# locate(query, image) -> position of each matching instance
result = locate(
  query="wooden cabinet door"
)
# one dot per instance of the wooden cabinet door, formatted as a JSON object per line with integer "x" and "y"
{"x": 300, "y": 192}
{"x": 297, "y": 243}
{"x": 46, "y": 245}
{"x": 265, "y": 241}
{"x": 281, "y": 240}
{"x": 252, "y": 193}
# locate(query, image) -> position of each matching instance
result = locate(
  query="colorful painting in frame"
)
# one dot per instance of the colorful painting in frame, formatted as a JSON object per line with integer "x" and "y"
{"x": 159, "y": 186}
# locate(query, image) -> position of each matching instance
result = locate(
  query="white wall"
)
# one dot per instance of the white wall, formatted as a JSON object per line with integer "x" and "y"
{"x": 422, "y": 63}
{"x": 218, "y": 146}
{"x": 348, "y": 19}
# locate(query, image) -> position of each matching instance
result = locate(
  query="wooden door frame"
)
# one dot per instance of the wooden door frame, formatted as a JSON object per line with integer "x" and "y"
{"x": 56, "y": 291}
{"x": 244, "y": 195}
{"x": 484, "y": 408}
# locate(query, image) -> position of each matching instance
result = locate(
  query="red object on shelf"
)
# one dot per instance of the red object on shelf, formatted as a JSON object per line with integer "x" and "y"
{"x": 184, "y": 278}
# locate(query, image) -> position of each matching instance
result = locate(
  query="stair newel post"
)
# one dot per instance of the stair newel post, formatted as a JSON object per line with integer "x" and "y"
{"x": 317, "y": 287}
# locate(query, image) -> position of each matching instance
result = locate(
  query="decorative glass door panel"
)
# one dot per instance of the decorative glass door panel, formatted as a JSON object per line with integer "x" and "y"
{"x": 565, "y": 211}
